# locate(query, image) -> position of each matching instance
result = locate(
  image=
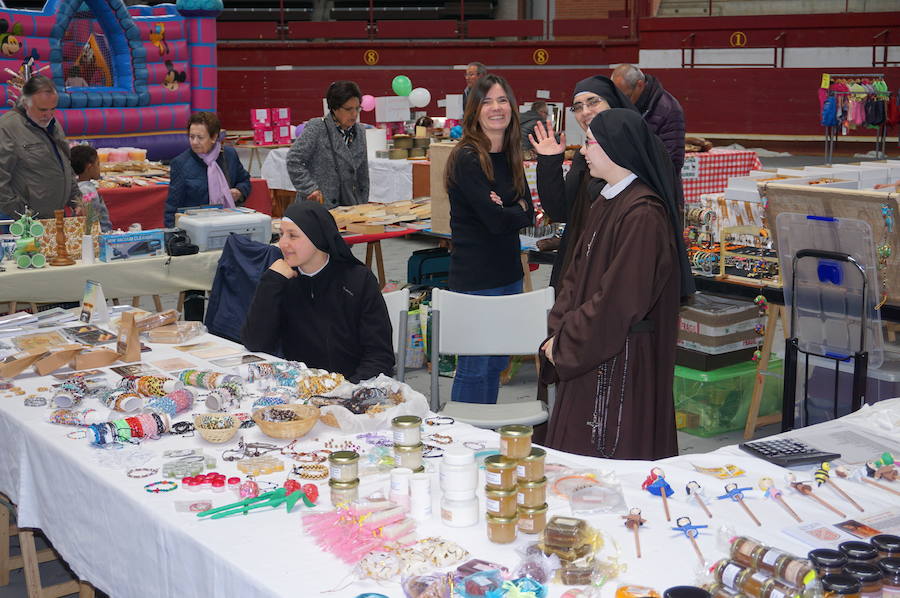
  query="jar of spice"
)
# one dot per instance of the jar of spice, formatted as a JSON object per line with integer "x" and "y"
{"x": 344, "y": 465}
{"x": 869, "y": 576}
{"x": 827, "y": 562}
{"x": 533, "y": 520}
{"x": 859, "y": 552}
{"x": 343, "y": 492}
{"x": 840, "y": 585}
{"x": 531, "y": 468}
{"x": 500, "y": 473}
{"x": 887, "y": 545}
{"x": 501, "y": 530}
{"x": 408, "y": 456}
{"x": 890, "y": 568}
{"x": 515, "y": 441}
{"x": 501, "y": 503}
{"x": 407, "y": 430}
{"x": 532, "y": 494}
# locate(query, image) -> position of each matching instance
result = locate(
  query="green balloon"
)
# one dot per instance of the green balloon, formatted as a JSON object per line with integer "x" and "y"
{"x": 401, "y": 85}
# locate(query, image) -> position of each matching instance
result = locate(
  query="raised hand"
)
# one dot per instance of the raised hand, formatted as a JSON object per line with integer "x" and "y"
{"x": 543, "y": 141}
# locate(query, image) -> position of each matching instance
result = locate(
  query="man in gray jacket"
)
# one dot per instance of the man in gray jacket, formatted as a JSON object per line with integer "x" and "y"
{"x": 328, "y": 162}
{"x": 35, "y": 171}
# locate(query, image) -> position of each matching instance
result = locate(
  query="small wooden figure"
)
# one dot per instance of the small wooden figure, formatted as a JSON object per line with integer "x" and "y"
{"x": 737, "y": 495}
{"x": 656, "y": 484}
{"x": 859, "y": 475}
{"x": 690, "y": 531}
{"x": 767, "y": 485}
{"x": 62, "y": 253}
{"x": 694, "y": 490}
{"x": 807, "y": 490}
{"x": 634, "y": 521}
{"x": 823, "y": 476}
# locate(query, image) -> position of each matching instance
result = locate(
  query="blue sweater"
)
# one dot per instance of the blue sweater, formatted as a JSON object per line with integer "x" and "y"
{"x": 188, "y": 182}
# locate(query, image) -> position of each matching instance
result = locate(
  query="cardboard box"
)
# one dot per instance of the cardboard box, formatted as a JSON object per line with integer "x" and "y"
{"x": 148, "y": 243}
{"x": 281, "y": 116}
{"x": 284, "y": 133}
{"x": 260, "y": 118}
{"x": 440, "y": 201}
{"x": 264, "y": 136}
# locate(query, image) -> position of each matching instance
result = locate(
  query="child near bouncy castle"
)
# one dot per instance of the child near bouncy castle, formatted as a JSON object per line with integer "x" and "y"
{"x": 86, "y": 164}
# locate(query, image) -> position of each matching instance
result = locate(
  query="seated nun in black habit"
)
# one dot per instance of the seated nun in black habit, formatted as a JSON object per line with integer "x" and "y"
{"x": 320, "y": 305}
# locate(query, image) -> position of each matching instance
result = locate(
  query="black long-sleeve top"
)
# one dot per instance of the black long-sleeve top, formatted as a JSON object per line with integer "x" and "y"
{"x": 485, "y": 236}
{"x": 336, "y": 320}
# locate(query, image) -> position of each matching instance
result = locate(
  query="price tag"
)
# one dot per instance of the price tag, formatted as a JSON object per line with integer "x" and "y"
{"x": 691, "y": 169}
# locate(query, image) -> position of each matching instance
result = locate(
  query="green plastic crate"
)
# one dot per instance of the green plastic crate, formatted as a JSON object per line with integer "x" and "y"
{"x": 715, "y": 402}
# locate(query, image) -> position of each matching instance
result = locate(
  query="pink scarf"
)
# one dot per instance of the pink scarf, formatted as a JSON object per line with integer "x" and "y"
{"x": 219, "y": 191}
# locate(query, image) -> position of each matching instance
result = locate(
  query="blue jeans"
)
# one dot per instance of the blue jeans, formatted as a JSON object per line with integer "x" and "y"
{"x": 477, "y": 378}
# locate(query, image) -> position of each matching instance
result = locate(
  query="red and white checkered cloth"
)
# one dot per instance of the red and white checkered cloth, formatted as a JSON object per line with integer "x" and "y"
{"x": 709, "y": 172}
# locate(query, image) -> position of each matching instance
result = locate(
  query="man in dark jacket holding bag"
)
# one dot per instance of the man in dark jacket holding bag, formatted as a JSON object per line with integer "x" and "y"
{"x": 660, "y": 110}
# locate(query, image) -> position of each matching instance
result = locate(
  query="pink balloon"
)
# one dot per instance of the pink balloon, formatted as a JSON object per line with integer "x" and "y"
{"x": 368, "y": 103}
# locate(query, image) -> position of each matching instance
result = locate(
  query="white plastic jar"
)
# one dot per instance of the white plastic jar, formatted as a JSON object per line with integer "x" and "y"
{"x": 459, "y": 473}
{"x": 459, "y": 508}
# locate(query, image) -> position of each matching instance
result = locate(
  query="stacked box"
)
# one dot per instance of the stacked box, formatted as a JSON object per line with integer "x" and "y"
{"x": 716, "y": 402}
{"x": 716, "y": 325}
{"x": 260, "y": 118}
{"x": 283, "y": 133}
{"x": 281, "y": 116}
{"x": 128, "y": 246}
{"x": 264, "y": 136}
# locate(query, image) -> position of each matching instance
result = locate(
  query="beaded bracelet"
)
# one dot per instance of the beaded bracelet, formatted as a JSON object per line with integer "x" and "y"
{"x": 475, "y": 445}
{"x": 440, "y": 438}
{"x": 77, "y": 435}
{"x": 430, "y": 451}
{"x": 142, "y": 472}
{"x": 310, "y": 471}
{"x": 440, "y": 420}
{"x": 163, "y": 486}
{"x": 35, "y": 402}
{"x": 182, "y": 427}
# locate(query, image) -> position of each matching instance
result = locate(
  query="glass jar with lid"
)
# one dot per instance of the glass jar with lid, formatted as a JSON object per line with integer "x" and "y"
{"x": 408, "y": 456}
{"x": 744, "y": 550}
{"x": 788, "y": 568}
{"x": 869, "y": 577}
{"x": 344, "y": 465}
{"x": 717, "y": 590}
{"x": 887, "y": 545}
{"x": 772, "y": 588}
{"x": 501, "y": 503}
{"x": 730, "y": 574}
{"x": 515, "y": 441}
{"x": 842, "y": 585}
{"x": 531, "y": 467}
{"x": 890, "y": 568}
{"x": 407, "y": 430}
{"x": 500, "y": 473}
{"x": 826, "y": 561}
{"x": 501, "y": 530}
{"x": 533, "y": 520}
{"x": 686, "y": 592}
{"x": 532, "y": 494}
{"x": 859, "y": 552}
{"x": 343, "y": 492}
{"x": 752, "y": 583}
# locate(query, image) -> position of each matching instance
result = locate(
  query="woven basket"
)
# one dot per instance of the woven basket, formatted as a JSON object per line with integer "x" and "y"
{"x": 216, "y": 435}
{"x": 309, "y": 414}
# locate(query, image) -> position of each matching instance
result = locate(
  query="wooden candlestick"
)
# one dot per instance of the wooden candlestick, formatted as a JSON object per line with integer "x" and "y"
{"x": 62, "y": 253}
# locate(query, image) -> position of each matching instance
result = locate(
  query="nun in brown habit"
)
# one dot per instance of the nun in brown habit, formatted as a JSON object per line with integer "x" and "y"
{"x": 613, "y": 328}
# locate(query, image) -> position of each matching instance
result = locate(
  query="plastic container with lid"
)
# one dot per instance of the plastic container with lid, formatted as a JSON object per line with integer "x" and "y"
{"x": 500, "y": 473}
{"x": 686, "y": 592}
{"x": 501, "y": 530}
{"x": 532, "y": 494}
{"x": 840, "y": 585}
{"x": 890, "y": 568}
{"x": 858, "y": 552}
{"x": 531, "y": 468}
{"x": 344, "y": 466}
{"x": 408, "y": 456}
{"x": 565, "y": 532}
{"x": 869, "y": 576}
{"x": 826, "y": 561}
{"x": 887, "y": 545}
{"x": 459, "y": 508}
{"x": 515, "y": 441}
{"x": 407, "y": 430}
{"x": 458, "y": 470}
{"x": 343, "y": 492}
{"x": 501, "y": 503}
{"x": 533, "y": 520}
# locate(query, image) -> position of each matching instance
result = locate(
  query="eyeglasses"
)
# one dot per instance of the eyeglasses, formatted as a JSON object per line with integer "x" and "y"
{"x": 589, "y": 103}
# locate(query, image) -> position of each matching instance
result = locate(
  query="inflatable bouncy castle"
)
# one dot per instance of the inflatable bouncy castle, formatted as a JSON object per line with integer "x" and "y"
{"x": 126, "y": 75}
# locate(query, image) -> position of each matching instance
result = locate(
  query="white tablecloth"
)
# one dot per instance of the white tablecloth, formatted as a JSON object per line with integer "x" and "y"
{"x": 121, "y": 278}
{"x": 130, "y": 543}
{"x": 389, "y": 180}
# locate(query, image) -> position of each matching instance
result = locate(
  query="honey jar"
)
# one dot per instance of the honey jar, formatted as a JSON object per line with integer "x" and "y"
{"x": 501, "y": 503}
{"x": 531, "y": 468}
{"x": 532, "y": 494}
{"x": 826, "y": 561}
{"x": 501, "y": 530}
{"x": 840, "y": 585}
{"x": 515, "y": 441}
{"x": 533, "y": 520}
{"x": 500, "y": 473}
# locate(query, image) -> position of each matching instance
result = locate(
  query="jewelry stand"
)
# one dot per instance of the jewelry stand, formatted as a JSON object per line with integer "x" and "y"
{"x": 62, "y": 253}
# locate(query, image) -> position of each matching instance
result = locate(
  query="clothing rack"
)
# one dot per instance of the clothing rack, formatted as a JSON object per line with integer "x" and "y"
{"x": 831, "y": 132}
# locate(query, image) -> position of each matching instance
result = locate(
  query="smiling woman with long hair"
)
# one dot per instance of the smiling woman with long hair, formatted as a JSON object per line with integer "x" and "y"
{"x": 489, "y": 204}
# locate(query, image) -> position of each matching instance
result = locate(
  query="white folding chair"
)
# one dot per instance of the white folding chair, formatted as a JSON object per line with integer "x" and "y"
{"x": 477, "y": 325}
{"x": 398, "y": 305}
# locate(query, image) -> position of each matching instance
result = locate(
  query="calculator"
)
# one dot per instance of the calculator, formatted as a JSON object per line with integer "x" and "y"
{"x": 787, "y": 452}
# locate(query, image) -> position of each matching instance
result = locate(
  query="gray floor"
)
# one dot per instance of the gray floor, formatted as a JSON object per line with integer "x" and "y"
{"x": 522, "y": 386}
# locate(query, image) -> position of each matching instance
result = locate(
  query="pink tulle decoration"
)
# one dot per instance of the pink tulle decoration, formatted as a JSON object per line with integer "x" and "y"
{"x": 351, "y": 532}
